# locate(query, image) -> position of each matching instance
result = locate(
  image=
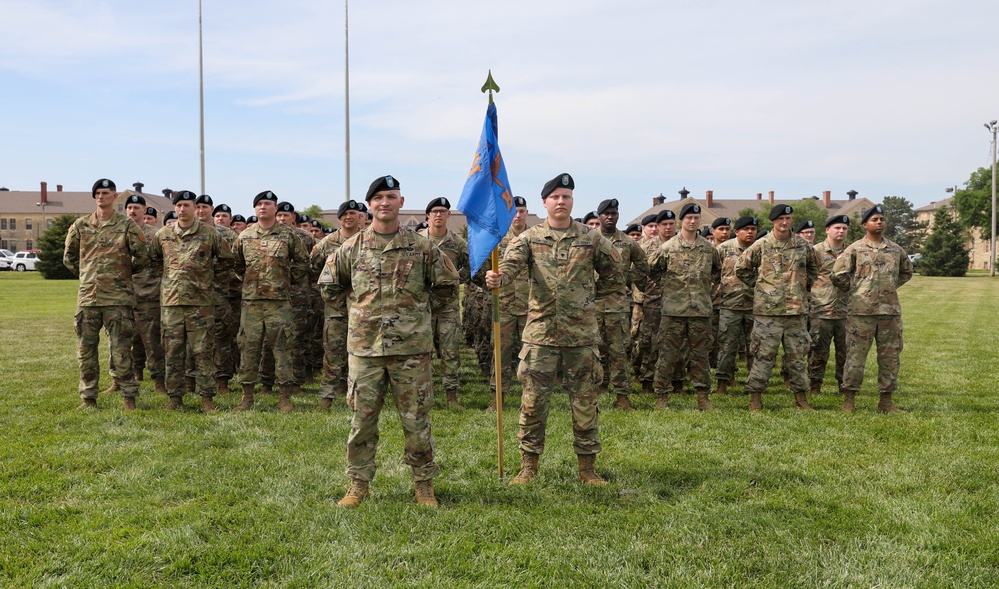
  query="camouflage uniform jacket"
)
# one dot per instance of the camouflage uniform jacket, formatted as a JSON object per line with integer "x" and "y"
{"x": 634, "y": 266}
{"x": 270, "y": 262}
{"x": 563, "y": 306}
{"x": 308, "y": 242}
{"x": 733, "y": 294}
{"x": 687, "y": 273}
{"x": 455, "y": 248}
{"x": 827, "y": 302}
{"x": 782, "y": 273}
{"x": 104, "y": 256}
{"x": 232, "y": 288}
{"x": 147, "y": 282}
{"x": 513, "y": 297}
{"x": 394, "y": 284}
{"x": 322, "y": 253}
{"x": 653, "y": 290}
{"x": 190, "y": 259}
{"x": 872, "y": 273}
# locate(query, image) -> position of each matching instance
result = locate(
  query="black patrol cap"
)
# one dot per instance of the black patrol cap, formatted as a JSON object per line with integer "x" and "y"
{"x": 362, "y": 207}
{"x": 102, "y": 183}
{"x": 265, "y": 195}
{"x": 380, "y": 184}
{"x": 838, "y": 219}
{"x": 588, "y": 217}
{"x": 350, "y": 205}
{"x": 183, "y": 195}
{"x": 805, "y": 225}
{"x": 152, "y": 212}
{"x": 170, "y": 216}
{"x": 251, "y": 219}
{"x": 875, "y": 210}
{"x": 439, "y": 202}
{"x": 222, "y": 208}
{"x": 423, "y": 225}
{"x": 285, "y": 207}
{"x": 315, "y": 223}
{"x": 302, "y": 218}
{"x": 651, "y": 218}
{"x": 745, "y": 222}
{"x": 519, "y": 201}
{"x": 561, "y": 181}
{"x": 632, "y": 229}
{"x": 779, "y": 211}
{"x": 691, "y": 208}
{"x": 204, "y": 199}
{"x": 665, "y": 215}
{"x": 327, "y": 230}
{"x": 721, "y": 222}
{"x": 135, "y": 199}
{"x": 610, "y": 203}
{"x": 706, "y": 232}
{"x": 238, "y": 219}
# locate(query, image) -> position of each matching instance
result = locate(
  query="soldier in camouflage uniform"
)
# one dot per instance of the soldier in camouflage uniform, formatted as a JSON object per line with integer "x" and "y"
{"x": 301, "y": 306}
{"x": 233, "y": 289}
{"x": 395, "y": 279}
{"x": 477, "y": 322}
{"x": 147, "y": 345}
{"x": 570, "y": 268}
{"x": 638, "y": 299}
{"x": 735, "y": 304}
{"x": 781, "y": 268}
{"x": 871, "y": 270}
{"x": 828, "y": 307}
{"x": 103, "y": 249}
{"x": 615, "y": 309}
{"x": 446, "y": 322}
{"x": 238, "y": 223}
{"x": 189, "y": 253}
{"x": 687, "y": 267}
{"x": 334, "y": 380}
{"x": 271, "y": 259}
{"x": 721, "y": 231}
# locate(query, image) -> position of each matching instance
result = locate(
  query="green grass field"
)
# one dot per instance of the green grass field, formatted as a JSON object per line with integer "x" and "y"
{"x": 717, "y": 499}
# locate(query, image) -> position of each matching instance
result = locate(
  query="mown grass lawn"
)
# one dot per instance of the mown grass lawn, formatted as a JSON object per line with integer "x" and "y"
{"x": 716, "y": 499}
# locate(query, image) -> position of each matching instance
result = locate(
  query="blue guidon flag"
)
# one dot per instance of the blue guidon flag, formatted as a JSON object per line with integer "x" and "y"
{"x": 486, "y": 200}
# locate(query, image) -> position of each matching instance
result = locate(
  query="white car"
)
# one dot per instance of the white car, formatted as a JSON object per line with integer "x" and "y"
{"x": 5, "y": 256}
{"x": 24, "y": 260}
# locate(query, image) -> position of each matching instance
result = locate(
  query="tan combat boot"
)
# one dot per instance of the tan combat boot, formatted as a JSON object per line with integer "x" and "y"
{"x": 452, "y": 399}
{"x": 355, "y": 494}
{"x": 801, "y": 402}
{"x": 247, "y": 401}
{"x": 885, "y": 405}
{"x": 160, "y": 385}
{"x": 88, "y": 404}
{"x": 722, "y": 387}
{"x": 848, "y": 400}
{"x": 284, "y": 398}
{"x": 623, "y": 403}
{"x": 175, "y": 402}
{"x": 425, "y": 493}
{"x": 587, "y": 474}
{"x": 324, "y": 404}
{"x": 221, "y": 385}
{"x": 528, "y": 468}
{"x": 190, "y": 384}
{"x": 129, "y": 403}
{"x": 113, "y": 388}
{"x": 816, "y": 387}
{"x": 663, "y": 401}
{"x": 702, "y": 400}
{"x": 208, "y": 405}
{"x": 756, "y": 401}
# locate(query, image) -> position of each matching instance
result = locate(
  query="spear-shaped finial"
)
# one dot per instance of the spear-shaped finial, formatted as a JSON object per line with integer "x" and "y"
{"x": 490, "y": 85}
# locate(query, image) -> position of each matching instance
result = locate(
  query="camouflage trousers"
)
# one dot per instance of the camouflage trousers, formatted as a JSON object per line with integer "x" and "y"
{"x": 266, "y": 323}
{"x": 715, "y": 320}
{"x": 301, "y": 311}
{"x": 824, "y": 333}
{"x": 407, "y": 379}
{"x": 317, "y": 326}
{"x": 334, "y": 380}
{"x": 120, "y": 325}
{"x": 578, "y": 369}
{"x": 861, "y": 332}
{"x": 477, "y": 314}
{"x": 235, "y": 310}
{"x": 147, "y": 344}
{"x": 734, "y": 329}
{"x": 678, "y": 335}
{"x": 647, "y": 353}
{"x": 615, "y": 331}
{"x": 224, "y": 345}
{"x": 446, "y": 326}
{"x": 637, "y": 313}
{"x": 188, "y": 339}
{"x": 511, "y": 328}
{"x": 769, "y": 334}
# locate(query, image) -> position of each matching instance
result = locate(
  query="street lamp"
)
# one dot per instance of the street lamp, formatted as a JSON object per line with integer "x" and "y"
{"x": 992, "y": 126}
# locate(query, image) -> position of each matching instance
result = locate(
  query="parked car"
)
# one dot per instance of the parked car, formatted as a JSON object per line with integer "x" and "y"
{"x": 5, "y": 259}
{"x": 24, "y": 260}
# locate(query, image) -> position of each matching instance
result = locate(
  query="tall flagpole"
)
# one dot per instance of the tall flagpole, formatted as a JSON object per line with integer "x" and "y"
{"x": 490, "y": 86}
{"x": 346, "y": 100}
{"x": 201, "y": 96}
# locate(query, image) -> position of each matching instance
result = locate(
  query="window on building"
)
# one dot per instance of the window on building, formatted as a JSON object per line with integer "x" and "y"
{"x": 3, "y": 224}
{"x": 13, "y": 246}
{"x": 28, "y": 245}
{"x": 4, "y": 245}
{"x": 13, "y": 224}
{"x": 27, "y": 225}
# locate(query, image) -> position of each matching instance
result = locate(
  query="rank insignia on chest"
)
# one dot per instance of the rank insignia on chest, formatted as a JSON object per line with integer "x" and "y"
{"x": 562, "y": 256}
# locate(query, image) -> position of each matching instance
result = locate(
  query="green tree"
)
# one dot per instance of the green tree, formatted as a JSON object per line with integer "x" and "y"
{"x": 856, "y": 230}
{"x": 900, "y": 223}
{"x": 974, "y": 202}
{"x": 943, "y": 251}
{"x": 53, "y": 245}
{"x": 316, "y": 212}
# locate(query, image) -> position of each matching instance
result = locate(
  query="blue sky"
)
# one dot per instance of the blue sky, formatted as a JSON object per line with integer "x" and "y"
{"x": 633, "y": 98}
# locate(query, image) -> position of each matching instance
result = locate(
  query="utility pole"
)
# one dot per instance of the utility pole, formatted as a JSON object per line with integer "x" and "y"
{"x": 993, "y": 126}
{"x": 346, "y": 100}
{"x": 201, "y": 97}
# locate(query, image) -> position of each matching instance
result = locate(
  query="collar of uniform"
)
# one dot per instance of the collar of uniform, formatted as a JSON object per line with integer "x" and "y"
{"x": 402, "y": 239}
{"x": 115, "y": 218}
{"x": 571, "y": 231}
{"x": 182, "y": 232}
{"x": 875, "y": 244}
